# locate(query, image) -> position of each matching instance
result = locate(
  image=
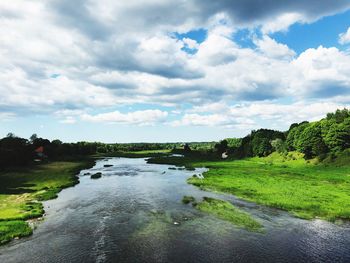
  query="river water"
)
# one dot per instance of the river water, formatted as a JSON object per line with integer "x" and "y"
{"x": 134, "y": 213}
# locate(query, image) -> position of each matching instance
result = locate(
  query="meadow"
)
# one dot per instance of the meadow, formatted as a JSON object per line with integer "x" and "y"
{"x": 23, "y": 189}
{"x": 306, "y": 189}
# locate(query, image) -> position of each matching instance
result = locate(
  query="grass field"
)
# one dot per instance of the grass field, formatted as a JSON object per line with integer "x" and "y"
{"x": 21, "y": 191}
{"x": 304, "y": 188}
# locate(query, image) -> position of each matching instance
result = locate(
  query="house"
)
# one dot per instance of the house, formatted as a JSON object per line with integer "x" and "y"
{"x": 40, "y": 154}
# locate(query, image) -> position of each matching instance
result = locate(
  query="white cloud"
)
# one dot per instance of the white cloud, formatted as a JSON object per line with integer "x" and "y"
{"x": 273, "y": 49}
{"x": 320, "y": 73}
{"x": 281, "y": 23}
{"x": 344, "y": 38}
{"x": 108, "y": 53}
{"x": 145, "y": 117}
{"x": 190, "y": 43}
{"x": 257, "y": 115}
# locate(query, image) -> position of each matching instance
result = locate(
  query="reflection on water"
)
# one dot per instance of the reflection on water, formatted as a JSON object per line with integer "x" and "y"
{"x": 134, "y": 213}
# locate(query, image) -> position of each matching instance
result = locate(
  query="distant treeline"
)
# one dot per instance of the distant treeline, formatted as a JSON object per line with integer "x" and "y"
{"x": 320, "y": 138}
{"x": 16, "y": 151}
{"x": 328, "y": 136}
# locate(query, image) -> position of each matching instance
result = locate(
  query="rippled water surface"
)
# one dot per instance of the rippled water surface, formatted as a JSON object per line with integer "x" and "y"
{"x": 128, "y": 215}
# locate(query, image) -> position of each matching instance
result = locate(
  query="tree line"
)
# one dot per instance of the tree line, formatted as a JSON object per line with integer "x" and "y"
{"x": 328, "y": 136}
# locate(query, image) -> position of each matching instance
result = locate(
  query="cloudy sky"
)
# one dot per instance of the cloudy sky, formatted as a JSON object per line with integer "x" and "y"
{"x": 164, "y": 70}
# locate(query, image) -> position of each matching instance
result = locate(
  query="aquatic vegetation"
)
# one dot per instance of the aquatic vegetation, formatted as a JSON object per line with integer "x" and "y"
{"x": 188, "y": 199}
{"x": 228, "y": 212}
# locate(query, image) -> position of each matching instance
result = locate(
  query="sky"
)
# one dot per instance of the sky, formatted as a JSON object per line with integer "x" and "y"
{"x": 165, "y": 71}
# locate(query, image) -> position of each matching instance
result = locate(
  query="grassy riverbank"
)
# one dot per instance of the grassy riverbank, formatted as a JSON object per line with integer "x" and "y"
{"x": 304, "y": 188}
{"x": 21, "y": 191}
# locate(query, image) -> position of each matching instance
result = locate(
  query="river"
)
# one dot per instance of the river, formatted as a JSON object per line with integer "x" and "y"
{"x": 134, "y": 213}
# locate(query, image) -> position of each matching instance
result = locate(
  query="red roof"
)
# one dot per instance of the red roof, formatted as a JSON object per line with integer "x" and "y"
{"x": 40, "y": 149}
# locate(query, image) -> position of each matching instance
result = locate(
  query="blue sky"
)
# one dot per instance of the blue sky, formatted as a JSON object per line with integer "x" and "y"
{"x": 138, "y": 71}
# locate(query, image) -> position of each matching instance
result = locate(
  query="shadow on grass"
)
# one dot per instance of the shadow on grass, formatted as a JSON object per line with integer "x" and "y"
{"x": 12, "y": 184}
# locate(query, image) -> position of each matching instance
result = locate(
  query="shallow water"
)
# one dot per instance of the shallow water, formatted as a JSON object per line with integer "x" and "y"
{"x": 128, "y": 215}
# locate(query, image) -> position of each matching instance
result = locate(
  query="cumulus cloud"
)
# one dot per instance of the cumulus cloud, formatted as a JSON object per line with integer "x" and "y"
{"x": 64, "y": 59}
{"x": 190, "y": 43}
{"x": 256, "y": 115}
{"x": 321, "y": 73}
{"x": 214, "y": 120}
{"x": 271, "y": 48}
{"x": 146, "y": 117}
{"x": 281, "y": 22}
{"x": 255, "y": 11}
{"x": 344, "y": 38}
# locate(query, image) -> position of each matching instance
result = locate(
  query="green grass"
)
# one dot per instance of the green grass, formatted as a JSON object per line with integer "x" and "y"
{"x": 307, "y": 189}
{"x": 228, "y": 212}
{"x": 21, "y": 191}
{"x": 12, "y": 229}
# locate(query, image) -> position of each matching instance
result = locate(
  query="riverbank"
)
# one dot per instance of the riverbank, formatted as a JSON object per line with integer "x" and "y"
{"x": 23, "y": 189}
{"x": 304, "y": 188}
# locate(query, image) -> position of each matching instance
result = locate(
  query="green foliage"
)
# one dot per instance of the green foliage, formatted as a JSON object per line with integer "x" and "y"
{"x": 233, "y": 142}
{"x": 47, "y": 194}
{"x": 258, "y": 143}
{"x": 329, "y": 135}
{"x": 228, "y": 212}
{"x": 221, "y": 147}
{"x": 279, "y": 145}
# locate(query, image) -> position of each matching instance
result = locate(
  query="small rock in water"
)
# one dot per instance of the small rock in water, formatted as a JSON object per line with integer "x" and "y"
{"x": 96, "y": 176}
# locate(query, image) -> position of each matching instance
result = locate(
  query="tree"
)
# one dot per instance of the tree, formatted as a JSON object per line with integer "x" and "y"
{"x": 337, "y": 136}
{"x": 33, "y": 137}
{"x": 278, "y": 145}
{"x": 10, "y": 135}
{"x": 221, "y": 146}
{"x": 187, "y": 148}
{"x": 311, "y": 142}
